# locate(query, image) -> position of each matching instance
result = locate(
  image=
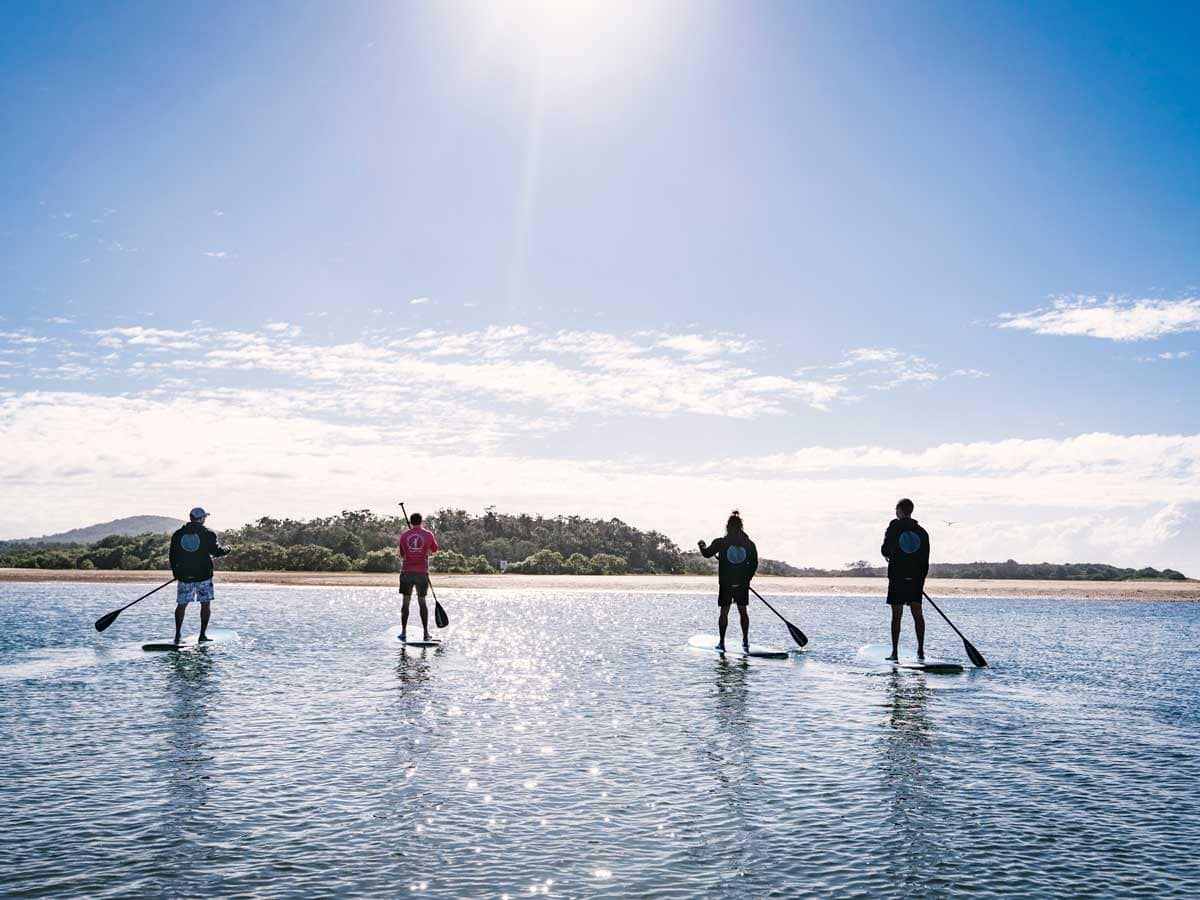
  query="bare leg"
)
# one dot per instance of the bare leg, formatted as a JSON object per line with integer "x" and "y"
{"x": 180, "y": 611}
{"x": 744, "y": 617}
{"x": 424, "y": 616}
{"x": 919, "y": 624}
{"x": 205, "y": 615}
{"x": 722, "y": 624}
{"x": 404, "y": 616}
{"x": 897, "y": 618}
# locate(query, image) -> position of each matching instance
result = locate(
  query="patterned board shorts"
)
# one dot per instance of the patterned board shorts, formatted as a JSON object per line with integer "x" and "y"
{"x": 187, "y": 591}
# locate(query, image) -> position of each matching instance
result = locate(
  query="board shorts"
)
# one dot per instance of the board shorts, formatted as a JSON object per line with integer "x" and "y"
{"x": 419, "y": 580}
{"x": 733, "y": 593}
{"x": 187, "y": 591}
{"x": 905, "y": 591}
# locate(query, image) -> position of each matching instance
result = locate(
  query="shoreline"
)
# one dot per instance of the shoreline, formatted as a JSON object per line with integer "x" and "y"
{"x": 674, "y": 584}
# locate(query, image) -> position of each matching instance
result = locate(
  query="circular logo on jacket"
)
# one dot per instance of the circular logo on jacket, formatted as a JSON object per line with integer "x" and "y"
{"x": 190, "y": 542}
{"x": 415, "y": 542}
{"x": 910, "y": 542}
{"x": 736, "y": 554}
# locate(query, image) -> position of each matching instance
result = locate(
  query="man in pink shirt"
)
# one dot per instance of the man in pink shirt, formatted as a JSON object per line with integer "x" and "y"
{"x": 415, "y": 547}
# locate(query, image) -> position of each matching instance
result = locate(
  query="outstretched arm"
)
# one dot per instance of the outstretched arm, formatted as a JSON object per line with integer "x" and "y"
{"x": 217, "y": 548}
{"x": 708, "y": 550}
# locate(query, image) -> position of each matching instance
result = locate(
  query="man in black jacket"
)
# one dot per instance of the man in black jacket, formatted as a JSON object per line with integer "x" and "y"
{"x": 737, "y": 561}
{"x": 906, "y": 548}
{"x": 193, "y": 548}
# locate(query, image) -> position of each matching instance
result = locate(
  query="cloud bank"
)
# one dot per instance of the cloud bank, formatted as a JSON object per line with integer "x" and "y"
{"x": 1109, "y": 318}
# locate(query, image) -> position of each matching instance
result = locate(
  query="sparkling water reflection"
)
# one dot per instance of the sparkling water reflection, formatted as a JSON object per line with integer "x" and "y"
{"x": 571, "y": 745}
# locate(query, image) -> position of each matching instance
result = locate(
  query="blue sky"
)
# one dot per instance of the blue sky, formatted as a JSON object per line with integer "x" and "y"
{"x": 651, "y": 261}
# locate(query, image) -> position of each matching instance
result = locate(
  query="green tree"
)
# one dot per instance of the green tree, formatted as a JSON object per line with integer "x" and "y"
{"x": 608, "y": 564}
{"x": 543, "y": 562}
{"x": 381, "y": 561}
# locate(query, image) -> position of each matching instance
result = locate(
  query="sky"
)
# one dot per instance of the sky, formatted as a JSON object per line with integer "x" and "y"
{"x": 653, "y": 261}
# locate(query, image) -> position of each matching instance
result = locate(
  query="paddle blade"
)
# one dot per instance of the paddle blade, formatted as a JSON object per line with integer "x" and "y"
{"x": 797, "y": 635}
{"x": 107, "y": 619}
{"x": 439, "y": 616}
{"x": 977, "y": 659}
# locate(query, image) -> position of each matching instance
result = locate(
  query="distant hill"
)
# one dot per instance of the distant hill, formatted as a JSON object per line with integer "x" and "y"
{"x": 1013, "y": 570}
{"x": 128, "y": 526}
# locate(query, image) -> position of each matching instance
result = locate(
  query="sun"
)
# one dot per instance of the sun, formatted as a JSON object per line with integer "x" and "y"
{"x": 569, "y": 41}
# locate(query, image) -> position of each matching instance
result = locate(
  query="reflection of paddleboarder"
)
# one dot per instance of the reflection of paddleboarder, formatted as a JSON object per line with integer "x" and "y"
{"x": 906, "y": 548}
{"x": 737, "y": 561}
{"x": 416, "y": 545}
{"x": 193, "y": 548}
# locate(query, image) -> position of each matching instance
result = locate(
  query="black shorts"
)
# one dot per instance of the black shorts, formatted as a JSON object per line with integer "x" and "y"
{"x": 905, "y": 591}
{"x": 419, "y": 580}
{"x": 733, "y": 593}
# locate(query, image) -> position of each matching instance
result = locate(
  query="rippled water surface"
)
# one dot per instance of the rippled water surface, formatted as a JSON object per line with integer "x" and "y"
{"x": 570, "y": 744}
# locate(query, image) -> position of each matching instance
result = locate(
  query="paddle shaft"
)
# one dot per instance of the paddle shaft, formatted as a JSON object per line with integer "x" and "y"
{"x": 977, "y": 658}
{"x": 144, "y": 596}
{"x": 943, "y": 615}
{"x": 797, "y": 635}
{"x": 768, "y": 605}
{"x": 108, "y": 618}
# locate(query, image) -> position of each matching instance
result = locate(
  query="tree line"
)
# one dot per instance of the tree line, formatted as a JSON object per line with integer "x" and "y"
{"x": 362, "y": 541}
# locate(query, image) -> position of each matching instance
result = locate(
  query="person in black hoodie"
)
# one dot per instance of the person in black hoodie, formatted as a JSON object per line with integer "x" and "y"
{"x": 193, "y": 548}
{"x": 906, "y": 548}
{"x": 737, "y": 561}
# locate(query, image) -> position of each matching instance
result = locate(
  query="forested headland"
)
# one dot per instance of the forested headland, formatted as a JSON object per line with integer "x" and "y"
{"x": 363, "y": 541}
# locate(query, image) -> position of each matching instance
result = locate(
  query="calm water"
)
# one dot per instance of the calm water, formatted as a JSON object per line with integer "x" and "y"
{"x": 570, "y": 745}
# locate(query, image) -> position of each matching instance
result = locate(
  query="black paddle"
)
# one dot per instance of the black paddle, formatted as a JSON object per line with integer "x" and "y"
{"x": 108, "y": 618}
{"x": 797, "y": 635}
{"x": 440, "y": 619}
{"x": 977, "y": 659}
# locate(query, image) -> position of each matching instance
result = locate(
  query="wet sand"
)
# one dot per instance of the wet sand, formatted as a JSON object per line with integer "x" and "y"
{"x": 675, "y": 584}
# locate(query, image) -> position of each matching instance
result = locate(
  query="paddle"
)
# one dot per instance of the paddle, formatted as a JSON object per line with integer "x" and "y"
{"x": 440, "y": 619}
{"x": 977, "y": 659}
{"x": 797, "y": 635}
{"x": 108, "y": 618}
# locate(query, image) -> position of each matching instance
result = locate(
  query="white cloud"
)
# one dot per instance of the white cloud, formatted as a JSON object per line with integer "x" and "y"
{"x": 1110, "y": 318}
{"x": 215, "y": 254}
{"x": 1166, "y": 356}
{"x": 138, "y": 336}
{"x": 702, "y": 346}
{"x": 417, "y": 301}
{"x": 1105, "y": 498}
{"x": 296, "y": 422}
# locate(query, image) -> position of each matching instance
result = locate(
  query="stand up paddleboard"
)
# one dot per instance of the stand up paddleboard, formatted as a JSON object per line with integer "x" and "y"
{"x": 878, "y": 653}
{"x": 734, "y": 648}
{"x": 192, "y": 641}
{"x": 419, "y": 643}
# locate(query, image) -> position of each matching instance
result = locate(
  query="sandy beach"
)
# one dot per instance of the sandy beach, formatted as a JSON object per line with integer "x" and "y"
{"x": 676, "y": 584}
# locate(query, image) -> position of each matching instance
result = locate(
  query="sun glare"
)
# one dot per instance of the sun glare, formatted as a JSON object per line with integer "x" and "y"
{"x": 570, "y": 41}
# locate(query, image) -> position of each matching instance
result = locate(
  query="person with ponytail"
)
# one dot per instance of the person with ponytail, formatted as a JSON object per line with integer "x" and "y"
{"x": 737, "y": 561}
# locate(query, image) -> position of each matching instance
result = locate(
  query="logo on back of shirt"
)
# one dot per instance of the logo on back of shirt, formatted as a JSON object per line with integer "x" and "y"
{"x": 736, "y": 554}
{"x": 190, "y": 542}
{"x": 415, "y": 543}
{"x": 910, "y": 542}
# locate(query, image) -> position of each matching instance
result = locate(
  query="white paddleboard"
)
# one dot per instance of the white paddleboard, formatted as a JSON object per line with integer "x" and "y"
{"x": 734, "y": 647}
{"x": 192, "y": 641}
{"x": 878, "y": 653}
